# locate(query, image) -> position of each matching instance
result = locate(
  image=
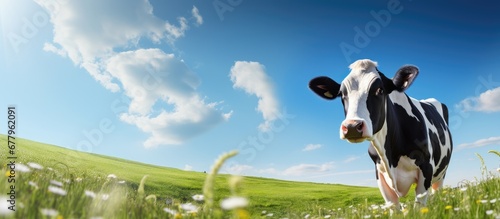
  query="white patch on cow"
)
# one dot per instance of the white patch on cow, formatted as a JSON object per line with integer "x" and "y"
{"x": 357, "y": 84}
{"x": 363, "y": 64}
{"x": 401, "y": 99}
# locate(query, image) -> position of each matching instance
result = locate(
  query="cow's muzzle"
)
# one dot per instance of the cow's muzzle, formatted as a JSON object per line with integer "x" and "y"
{"x": 353, "y": 130}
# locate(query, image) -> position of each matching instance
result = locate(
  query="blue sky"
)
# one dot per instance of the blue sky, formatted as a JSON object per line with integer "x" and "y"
{"x": 176, "y": 83}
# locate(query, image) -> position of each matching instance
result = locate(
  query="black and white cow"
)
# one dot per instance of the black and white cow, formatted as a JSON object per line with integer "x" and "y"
{"x": 410, "y": 141}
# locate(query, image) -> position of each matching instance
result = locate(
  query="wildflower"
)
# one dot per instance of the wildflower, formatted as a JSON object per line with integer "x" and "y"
{"x": 242, "y": 214}
{"x": 307, "y": 216}
{"x": 31, "y": 183}
{"x": 78, "y": 179}
{"x": 456, "y": 209}
{"x": 387, "y": 205}
{"x": 482, "y": 201}
{"x": 170, "y": 211}
{"x": 56, "y": 183}
{"x": 419, "y": 196}
{"x": 121, "y": 182}
{"x": 35, "y": 166}
{"x": 367, "y": 216}
{"x": 269, "y": 215}
{"x": 489, "y": 212}
{"x": 424, "y": 210}
{"x": 49, "y": 212}
{"x": 198, "y": 197}
{"x": 4, "y": 206}
{"x": 328, "y": 216}
{"x": 22, "y": 168}
{"x": 233, "y": 203}
{"x": 190, "y": 208}
{"x": 111, "y": 176}
{"x": 492, "y": 201}
{"x": 448, "y": 207}
{"x": 104, "y": 197}
{"x": 90, "y": 194}
{"x": 57, "y": 190}
{"x": 463, "y": 189}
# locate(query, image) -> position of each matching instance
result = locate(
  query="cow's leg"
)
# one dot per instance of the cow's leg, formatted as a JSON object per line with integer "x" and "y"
{"x": 420, "y": 191}
{"x": 387, "y": 192}
{"x": 437, "y": 185}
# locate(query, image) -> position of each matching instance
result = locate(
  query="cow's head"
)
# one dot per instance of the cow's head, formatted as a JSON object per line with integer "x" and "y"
{"x": 363, "y": 93}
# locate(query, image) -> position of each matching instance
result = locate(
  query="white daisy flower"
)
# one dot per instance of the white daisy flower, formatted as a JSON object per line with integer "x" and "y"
{"x": 111, "y": 176}
{"x": 104, "y": 197}
{"x": 90, "y": 194}
{"x": 189, "y": 207}
{"x": 4, "y": 206}
{"x": 22, "y": 168}
{"x": 233, "y": 203}
{"x": 198, "y": 197}
{"x": 31, "y": 183}
{"x": 463, "y": 189}
{"x": 35, "y": 166}
{"x": 56, "y": 183}
{"x": 489, "y": 212}
{"x": 57, "y": 190}
{"x": 170, "y": 211}
{"x": 49, "y": 212}
{"x": 121, "y": 182}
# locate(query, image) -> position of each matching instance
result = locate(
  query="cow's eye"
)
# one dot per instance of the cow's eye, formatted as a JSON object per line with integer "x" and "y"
{"x": 379, "y": 91}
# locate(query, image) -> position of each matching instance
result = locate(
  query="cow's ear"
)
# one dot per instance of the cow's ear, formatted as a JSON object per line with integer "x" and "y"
{"x": 404, "y": 77}
{"x": 325, "y": 87}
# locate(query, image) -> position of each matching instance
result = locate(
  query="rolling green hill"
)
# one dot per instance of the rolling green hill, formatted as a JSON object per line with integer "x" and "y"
{"x": 275, "y": 196}
{"x": 55, "y": 182}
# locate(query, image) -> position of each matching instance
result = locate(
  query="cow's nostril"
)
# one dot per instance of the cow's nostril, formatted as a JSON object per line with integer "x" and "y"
{"x": 359, "y": 127}
{"x": 344, "y": 129}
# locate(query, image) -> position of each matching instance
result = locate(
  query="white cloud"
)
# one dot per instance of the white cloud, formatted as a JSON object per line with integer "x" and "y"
{"x": 196, "y": 15}
{"x": 239, "y": 169}
{"x": 188, "y": 167}
{"x": 481, "y": 143}
{"x": 104, "y": 43}
{"x": 308, "y": 169}
{"x": 311, "y": 147}
{"x": 485, "y": 102}
{"x": 252, "y": 78}
{"x": 351, "y": 159}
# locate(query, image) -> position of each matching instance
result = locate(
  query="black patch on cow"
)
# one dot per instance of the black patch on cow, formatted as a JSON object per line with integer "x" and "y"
{"x": 436, "y": 120}
{"x": 445, "y": 113}
{"x": 444, "y": 163}
{"x": 374, "y": 156}
{"x": 407, "y": 136}
{"x": 436, "y": 147}
{"x": 375, "y": 104}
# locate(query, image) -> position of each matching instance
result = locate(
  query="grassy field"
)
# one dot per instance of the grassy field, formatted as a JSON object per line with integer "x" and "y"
{"x": 71, "y": 184}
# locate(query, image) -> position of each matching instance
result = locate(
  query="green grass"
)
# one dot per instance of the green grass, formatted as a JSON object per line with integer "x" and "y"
{"x": 80, "y": 172}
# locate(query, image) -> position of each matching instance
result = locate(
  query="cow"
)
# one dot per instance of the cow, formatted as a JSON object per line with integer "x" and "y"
{"x": 410, "y": 141}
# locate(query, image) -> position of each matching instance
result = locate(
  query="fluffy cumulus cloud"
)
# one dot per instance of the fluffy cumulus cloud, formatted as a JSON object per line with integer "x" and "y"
{"x": 162, "y": 88}
{"x": 252, "y": 78}
{"x": 312, "y": 147}
{"x": 481, "y": 143}
{"x": 485, "y": 102}
{"x": 299, "y": 170}
{"x": 308, "y": 169}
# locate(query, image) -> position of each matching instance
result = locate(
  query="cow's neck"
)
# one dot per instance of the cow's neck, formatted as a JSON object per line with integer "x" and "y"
{"x": 390, "y": 141}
